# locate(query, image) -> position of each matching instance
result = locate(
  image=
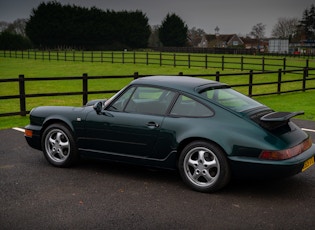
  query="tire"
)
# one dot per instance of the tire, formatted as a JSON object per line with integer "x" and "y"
{"x": 204, "y": 167}
{"x": 58, "y": 146}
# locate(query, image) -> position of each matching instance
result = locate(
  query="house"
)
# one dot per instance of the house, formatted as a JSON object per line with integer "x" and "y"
{"x": 305, "y": 47}
{"x": 253, "y": 43}
{"x": 220, "y": 41}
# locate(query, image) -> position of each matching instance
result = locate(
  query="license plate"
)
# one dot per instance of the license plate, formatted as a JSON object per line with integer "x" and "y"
{"x": 308, "y": 164}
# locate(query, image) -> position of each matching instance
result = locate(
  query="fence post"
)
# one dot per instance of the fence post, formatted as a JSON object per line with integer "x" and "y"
{"x": 180, "y": 74}
{"x": 189, "y": 61}
{"x": 279, "y": 81}
{"x": 123, "y": 57}
{"x": 222, "y": 62}
{"x": 160, "y": 58}
{"x": 22, "y": 95}
{"x": 206, "y": 61}
{"x": 147, "y": 57}
{"x": 135, "y": 75}
{"x": 250, "y": 84}
{"x": 305, "y": 75}
{"x": 174, "y": 60}
{"x": 284, "y": 64}
{"x": 242, "y": 63}
{"x": 263, "y": 64}
{"x": 85, "y": 88}
{"x": 134, "y": 57}
{"x": 217, "y": 76}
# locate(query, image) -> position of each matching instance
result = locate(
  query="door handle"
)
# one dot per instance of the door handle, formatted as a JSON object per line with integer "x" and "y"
{"x": 152, "y": 124}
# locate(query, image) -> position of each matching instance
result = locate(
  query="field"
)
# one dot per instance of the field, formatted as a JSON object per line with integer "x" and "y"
{"x": 13, "y": 67}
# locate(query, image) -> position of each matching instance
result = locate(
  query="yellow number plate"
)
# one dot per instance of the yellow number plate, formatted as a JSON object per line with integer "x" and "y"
{"x": 308, "y": 164}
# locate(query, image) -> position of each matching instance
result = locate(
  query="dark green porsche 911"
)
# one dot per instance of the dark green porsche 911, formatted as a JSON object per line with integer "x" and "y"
{"x": 202, "y": 128}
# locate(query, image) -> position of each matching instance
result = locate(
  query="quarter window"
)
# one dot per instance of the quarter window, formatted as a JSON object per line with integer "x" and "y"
{"x": 188, "y": 107}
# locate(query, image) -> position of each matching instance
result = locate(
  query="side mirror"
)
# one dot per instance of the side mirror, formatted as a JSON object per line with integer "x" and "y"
{"x": 98, "y": 107}
{"x": 93, "y": 102}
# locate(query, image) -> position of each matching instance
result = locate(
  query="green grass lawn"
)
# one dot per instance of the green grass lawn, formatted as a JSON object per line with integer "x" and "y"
{"x": 12, "y": 68}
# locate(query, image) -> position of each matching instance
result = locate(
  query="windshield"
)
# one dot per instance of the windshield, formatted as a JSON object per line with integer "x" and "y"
{"x": 231, "y": 99}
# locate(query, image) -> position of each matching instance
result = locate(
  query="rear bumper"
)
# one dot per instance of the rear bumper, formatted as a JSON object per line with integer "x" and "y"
{"x": 34, "y": 140}
{"x": 246, "y": 167}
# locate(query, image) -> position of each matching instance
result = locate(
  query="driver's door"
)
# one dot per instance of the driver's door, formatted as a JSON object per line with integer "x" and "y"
{"x": 131, "y": 124}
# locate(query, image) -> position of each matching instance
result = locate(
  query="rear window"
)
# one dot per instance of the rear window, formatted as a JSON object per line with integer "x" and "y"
{"x": 231, "y": 99}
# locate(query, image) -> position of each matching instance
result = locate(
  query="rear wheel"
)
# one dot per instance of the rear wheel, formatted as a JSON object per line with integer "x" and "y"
{"x": 204, "y": 167}
{"x": 59, "y": 146}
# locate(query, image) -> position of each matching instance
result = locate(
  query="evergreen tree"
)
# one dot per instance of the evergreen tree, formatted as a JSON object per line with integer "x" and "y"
{"x": 308, "y": 23}
{"x": 13, "y": 41}
{"x": 53, "y": 25}
{"x": 173, "y": 31}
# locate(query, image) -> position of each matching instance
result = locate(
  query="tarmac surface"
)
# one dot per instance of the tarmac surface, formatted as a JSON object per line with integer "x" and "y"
{"x": 100, "y": 195}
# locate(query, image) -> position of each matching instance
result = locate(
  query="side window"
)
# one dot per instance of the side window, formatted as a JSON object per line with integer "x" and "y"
{"x": 187, "y": 107}
{"x": 150, "y": 100}
{"x": 122, "y": 101}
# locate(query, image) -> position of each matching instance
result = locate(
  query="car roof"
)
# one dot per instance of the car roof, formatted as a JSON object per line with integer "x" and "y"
{"x": 185, "y": 83}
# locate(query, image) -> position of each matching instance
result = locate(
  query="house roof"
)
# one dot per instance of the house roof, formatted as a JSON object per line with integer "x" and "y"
{"x": 214, "y": 39}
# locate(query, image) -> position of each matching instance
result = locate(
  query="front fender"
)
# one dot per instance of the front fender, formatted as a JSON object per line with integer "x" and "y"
{"x": 73, "y": 117}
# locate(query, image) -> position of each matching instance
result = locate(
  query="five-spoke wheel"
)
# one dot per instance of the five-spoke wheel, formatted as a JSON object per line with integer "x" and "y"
{"x": 58, "y": 146}
{"x": 203, "y": 166}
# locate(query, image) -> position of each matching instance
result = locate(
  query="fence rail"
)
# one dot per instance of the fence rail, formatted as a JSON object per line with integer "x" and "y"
{"x": 248, "y": 62}
{"x": 305, "y": 77}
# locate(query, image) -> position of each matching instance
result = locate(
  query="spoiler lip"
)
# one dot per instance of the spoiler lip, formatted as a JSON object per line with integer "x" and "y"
{"x": 280, "y": 116}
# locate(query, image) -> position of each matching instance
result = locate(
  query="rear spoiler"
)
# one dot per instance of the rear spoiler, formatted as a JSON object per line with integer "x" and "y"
{"x": 280, "y": 116}
{"x": 275, "y": 120}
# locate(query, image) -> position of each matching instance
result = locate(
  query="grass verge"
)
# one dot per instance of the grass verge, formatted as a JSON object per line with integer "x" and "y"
{"x": 11, "y": 68}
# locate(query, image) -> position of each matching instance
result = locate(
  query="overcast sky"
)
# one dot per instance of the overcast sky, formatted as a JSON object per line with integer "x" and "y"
{"x": 230, "y": 16}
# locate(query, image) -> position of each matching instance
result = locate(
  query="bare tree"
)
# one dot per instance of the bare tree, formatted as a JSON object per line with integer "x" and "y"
{"x": 16, "y": 27}
{"x": 285, "y": 28}
{"x": 154, "y": 40}
{"x": 19, "y": 26}
{"x": 258, "y": 31}
{"x": 195, "y": 35}
{"x": 3, "y": 26}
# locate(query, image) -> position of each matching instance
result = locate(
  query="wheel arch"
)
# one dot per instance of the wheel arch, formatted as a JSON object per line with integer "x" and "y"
{"x": 186, "y": 141}
{"x": 57, "y": 121}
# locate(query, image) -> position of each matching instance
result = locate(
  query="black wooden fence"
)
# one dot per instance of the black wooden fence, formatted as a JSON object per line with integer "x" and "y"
{"x": 305, "y": 75}
{"x": 223, "y": 62}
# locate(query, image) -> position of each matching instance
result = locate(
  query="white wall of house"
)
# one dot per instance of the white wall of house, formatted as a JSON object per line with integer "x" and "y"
{"x": 278, "y": 46}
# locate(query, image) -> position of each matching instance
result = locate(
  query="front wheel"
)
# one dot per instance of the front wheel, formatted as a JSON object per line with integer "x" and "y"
{"x": 204, "y": 167}
{"x": 59, "y": 146}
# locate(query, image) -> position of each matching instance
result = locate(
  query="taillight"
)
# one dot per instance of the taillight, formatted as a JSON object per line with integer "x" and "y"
{"x": 286, "y": 153}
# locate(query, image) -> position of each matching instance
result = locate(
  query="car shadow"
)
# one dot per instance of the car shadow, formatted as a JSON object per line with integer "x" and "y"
{"x": 299, "y": 184}
{"x": 295, "y": 186}
{"x": 128, "y": 170}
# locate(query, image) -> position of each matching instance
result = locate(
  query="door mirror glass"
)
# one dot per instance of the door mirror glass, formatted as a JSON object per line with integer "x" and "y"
{"x": 98, "y": 107}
